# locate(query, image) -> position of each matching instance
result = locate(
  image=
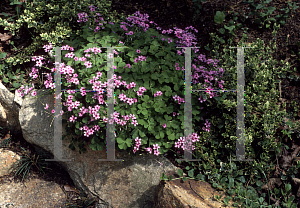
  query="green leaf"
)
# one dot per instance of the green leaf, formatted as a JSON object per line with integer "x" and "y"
{"x": 167, "y": 145}
{"x": 85, "y": 120}
{"x": 128, "y": 142}
{"x": 5, "y": 14}
{"x": 157, "y": 136}
{"x": 2, "y": 55}
{"x": 77, "y": 125}
{"x": 291, "y": 198}
{"x": 144, "y": 112}
{"x": 219, "y": 17}
{"x": 150, "y": 128}
{"x": 91, "y": 39}
{"x": 222, "y": 30}
{"x": 142, "y": 134}
{"x": 287, "y": 187}
{"x": 97, "y": 36}
{"x": 160, "y": 53}
{"x": 176, "y": 88}
{"x": 259, "y": 6}
{"x": 146, "y": 97}
{"x": 16, "y": 85}
{"x": 155, "y": 43}
{"x": 16, "y": 3}
{"x": 231, "y": 182}
{"x": 226, "y": 200}
{"x": 96, "y": 147}
{"x": 161, "y": 134}
{"x": 171, "y": 136}
{"x": 180, "y": 172}
{"x": 272, "y": 19}
{"x": 121, "y": 146}
{"x": 271, "y": 10}
{"x": 141, "y": 121}
{"x": 191, "y": 173}
{"x": 168, "y": 132}
{"x": 77, "y": 132}
{"x": 135, "y": 133}
{"x": 5, "y": 80}
{"x": 222, "y": 41}
{"x": 154, "y": 77}
{"x": 229, "y": 28}
{"x": 153, "y": 49}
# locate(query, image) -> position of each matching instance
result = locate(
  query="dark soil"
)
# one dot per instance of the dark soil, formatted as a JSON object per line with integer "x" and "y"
{"x": 168, "y": 14}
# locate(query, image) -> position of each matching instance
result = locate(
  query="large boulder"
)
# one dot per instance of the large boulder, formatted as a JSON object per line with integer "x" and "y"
{"x": 32, "y": 193}
{"x": 9, "y": 110}
{"x": 190, "y": 193}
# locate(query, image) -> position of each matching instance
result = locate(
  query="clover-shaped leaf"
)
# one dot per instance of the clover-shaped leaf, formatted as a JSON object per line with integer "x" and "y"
{"x": 219, "y": 17}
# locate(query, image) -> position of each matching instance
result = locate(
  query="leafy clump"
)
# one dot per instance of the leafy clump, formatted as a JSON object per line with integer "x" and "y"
{"x": 24, "y": 165}
{"x": 50, "y": 21}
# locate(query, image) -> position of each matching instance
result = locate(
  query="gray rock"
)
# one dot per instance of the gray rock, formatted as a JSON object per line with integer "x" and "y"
{"x": 9, "y": 111}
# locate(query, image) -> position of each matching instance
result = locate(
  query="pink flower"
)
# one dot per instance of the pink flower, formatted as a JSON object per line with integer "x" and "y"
{"x": 110, "y": 55}
{"x": 88, "y": 64}
{"x": 130, "y": 33}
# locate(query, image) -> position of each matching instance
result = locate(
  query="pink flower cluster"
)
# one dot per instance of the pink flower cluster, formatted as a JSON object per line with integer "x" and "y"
{"x": 130, "y": 101}
{"x": 138, "y": 143}
{"x": 141, "y": 91}
{"x": 183, "y": 35}
{"x": 27, "y": 90}
{"x": 178, "y": 68}
{"x": 174, "y": 113}
{"x": 128, "y": 66}
{"x": 180, "y": 100}
{"x": 207, "y": 126}
{"x": 83, "y": 17}
{"x": 181, "y": 142}
{"x": 169, "y": 40}
{"x": 121, "y": 122}
{"x": 188, "y": 38}
{"x": 140, "y": 58}
{"x": 140, "y": 21}
{"x": 94, "y": 113}
{"x": 158, "y": 93}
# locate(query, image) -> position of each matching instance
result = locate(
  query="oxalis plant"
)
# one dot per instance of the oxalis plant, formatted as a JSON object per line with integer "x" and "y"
{"x": 151, "y": 107}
